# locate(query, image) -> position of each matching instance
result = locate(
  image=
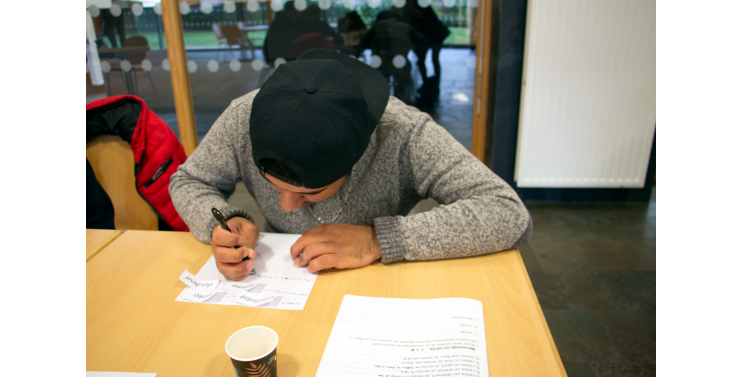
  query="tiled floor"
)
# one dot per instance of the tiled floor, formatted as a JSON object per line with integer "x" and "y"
{"x": 593, "y": 269}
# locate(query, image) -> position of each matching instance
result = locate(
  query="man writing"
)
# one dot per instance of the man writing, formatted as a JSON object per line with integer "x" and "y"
{"x": 327, "y": 153}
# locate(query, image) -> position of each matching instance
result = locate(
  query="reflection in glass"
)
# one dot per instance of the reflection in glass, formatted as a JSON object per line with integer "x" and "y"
{"x": 423, "y": 47}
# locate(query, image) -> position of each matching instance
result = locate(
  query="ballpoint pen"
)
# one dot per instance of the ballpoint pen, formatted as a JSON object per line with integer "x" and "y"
{"x": 222, "y": 222}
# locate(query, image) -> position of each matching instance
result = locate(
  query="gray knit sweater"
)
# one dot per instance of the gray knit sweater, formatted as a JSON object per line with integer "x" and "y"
{"x": 409, "y": 158}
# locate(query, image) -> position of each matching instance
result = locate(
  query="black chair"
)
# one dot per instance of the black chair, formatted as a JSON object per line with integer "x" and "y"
{"x": 131, "y": 78}
{"x": 136, "y": 59}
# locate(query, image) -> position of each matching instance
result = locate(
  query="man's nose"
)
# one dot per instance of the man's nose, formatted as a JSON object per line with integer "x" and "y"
{"x": 290, "y": 200}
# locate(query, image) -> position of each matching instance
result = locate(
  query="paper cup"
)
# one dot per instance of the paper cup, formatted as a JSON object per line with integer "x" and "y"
{"x": 253, "y": 352}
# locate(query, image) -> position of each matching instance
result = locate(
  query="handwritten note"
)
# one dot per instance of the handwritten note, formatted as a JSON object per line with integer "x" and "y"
{"x": 276, "y": 276}
{"x": 249, "y": 299}
{"x": 196, "y": 283}
{"x": 406, "y": 337}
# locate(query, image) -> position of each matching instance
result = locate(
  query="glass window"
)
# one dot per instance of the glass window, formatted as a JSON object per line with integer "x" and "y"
{"x": 425, "y": 48}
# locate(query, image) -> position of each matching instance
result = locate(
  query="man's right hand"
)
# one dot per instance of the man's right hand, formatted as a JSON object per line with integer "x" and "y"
{"x": 229, "y": 259}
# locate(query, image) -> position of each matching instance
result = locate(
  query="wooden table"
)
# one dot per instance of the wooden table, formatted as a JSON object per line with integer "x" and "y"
{"x": 134, "y": 324}
{"x": 98, "y": 239}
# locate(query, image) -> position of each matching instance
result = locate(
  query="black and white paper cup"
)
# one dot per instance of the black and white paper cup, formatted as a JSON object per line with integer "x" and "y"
{"x": 253, "y": 352}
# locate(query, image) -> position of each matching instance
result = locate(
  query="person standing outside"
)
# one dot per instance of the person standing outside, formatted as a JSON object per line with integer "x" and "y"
{"x": 425, "y": 20}
{"x": 113, "y": 25}
{"x": 280, "y": 33}
{"x": 327, "y": 153}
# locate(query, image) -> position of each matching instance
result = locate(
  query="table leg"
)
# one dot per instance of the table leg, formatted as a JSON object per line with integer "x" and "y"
{"x": 135, "y": 82}
{"x": 107, "y": 81}
{"x": 126, "y": 81}
{"x": 130, "y": 83}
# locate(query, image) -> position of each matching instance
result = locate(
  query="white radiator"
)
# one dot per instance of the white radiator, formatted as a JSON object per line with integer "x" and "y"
{"x": 587, "y": 114}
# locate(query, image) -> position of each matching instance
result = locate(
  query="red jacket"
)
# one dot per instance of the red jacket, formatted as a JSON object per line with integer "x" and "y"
{"x": 157, "y": 151}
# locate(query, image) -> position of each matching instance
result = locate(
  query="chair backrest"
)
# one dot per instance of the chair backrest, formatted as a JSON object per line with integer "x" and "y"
{"x": 231, "y": 33}
{"x": 136, "y": 41}
{"x": 308, "y": 41}
{"x": 217, "y": 30}
{"x": 113, "y": 163}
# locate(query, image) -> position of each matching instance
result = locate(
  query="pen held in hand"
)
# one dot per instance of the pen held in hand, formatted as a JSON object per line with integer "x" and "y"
{"x": 222, "y": 222}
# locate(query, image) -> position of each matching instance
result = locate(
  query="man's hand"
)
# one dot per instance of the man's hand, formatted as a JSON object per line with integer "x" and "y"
{"x": 338, "y": 246}
{"x": 229, "y": 259}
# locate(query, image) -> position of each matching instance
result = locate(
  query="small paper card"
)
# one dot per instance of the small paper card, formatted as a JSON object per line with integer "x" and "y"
{"x": 238, "y": 286}
{"x": 197, "y": 295}
{"x": 196, "y": 283}
{"x": 250, "y": 299}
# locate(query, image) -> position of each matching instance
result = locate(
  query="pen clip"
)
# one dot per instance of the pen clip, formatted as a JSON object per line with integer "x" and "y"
{"x": 220, "y": 219}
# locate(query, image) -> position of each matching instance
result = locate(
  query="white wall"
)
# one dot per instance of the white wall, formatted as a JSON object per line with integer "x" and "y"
{"x": 588, "y": 94}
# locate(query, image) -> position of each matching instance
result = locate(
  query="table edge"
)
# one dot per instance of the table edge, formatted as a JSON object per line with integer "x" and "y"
{"x": 542, "y": 316}
{"x": 104, "y": 243}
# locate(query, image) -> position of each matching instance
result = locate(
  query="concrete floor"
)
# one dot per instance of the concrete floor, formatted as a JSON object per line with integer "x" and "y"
{"x": 593, "y": 269}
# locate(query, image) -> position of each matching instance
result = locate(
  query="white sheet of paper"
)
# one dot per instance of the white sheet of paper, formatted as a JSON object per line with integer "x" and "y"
{"x": 197, "y": 283}
{"x": 406, "y": 337}
{"x": 238, "y": 286}
{"x": 249, "y": 299}
{"x": 118, "y": 374}
{"x": 276, "y": 275}
{"x": 197, "y": 295}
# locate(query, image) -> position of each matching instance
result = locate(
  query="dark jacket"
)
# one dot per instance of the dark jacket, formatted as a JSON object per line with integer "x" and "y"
{"x": 282, "y": 34}
{"x": 100, "y": 213}
{"x": 429, "y": 25}
{"x": 392, "y": 29}
{"x": 423, "y": 20}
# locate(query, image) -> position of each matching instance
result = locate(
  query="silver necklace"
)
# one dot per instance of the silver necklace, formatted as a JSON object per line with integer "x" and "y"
{"x": 346, "y": 197}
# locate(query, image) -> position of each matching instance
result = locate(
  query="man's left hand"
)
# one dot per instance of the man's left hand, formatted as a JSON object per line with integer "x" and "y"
{"x": 338, "y": 246}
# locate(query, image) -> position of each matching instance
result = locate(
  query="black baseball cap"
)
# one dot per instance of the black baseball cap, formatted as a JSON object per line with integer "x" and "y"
{"x": 316, "y": 114}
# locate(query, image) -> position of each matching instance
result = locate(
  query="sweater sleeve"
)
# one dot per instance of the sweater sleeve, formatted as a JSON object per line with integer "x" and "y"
{"x": 479, "y": 213}
{"x": 208, "y": 177}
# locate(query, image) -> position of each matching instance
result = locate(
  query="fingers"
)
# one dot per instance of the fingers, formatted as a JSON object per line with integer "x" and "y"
{"x": 323, "y": 262}
{"x": 229, "y": 260}
{"x": 246, "y": 229}
{"x": 235, "y": 271}
{"x": 313, "y": 251}
{"x": 230, "y": 254}
{"x": 251, "y": 253}
{"x": 304, "y": 241}
{"x": 223, "y": 238}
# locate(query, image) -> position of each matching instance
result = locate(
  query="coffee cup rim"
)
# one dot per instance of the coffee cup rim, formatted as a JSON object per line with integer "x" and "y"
{"x": 226, "y": 346}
